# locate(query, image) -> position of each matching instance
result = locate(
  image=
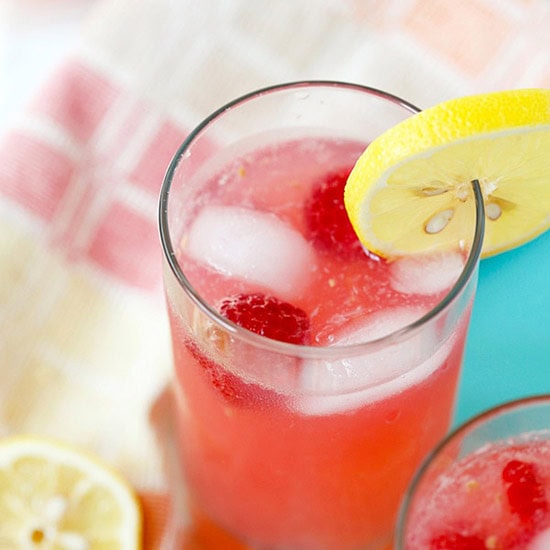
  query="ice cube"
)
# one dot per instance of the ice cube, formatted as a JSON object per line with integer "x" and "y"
{"x": 426, "y": 274}
{"x": 353, "y": 372}
{"x": 336, "y": 386}
{"x": 541, "y": 541}
{"x": 255, "y": 246}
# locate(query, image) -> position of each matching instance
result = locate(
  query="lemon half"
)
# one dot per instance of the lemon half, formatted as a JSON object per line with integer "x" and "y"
{"x": 411, "y": 190}
{"x": 55, "y": 497}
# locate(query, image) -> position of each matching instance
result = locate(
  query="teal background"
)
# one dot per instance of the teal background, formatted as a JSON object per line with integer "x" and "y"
{"x": 508, "y": 349}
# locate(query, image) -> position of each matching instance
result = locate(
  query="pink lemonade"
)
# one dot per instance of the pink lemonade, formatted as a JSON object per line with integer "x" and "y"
{"x": 497, "y": 498}
{"x": 288, "y": 447}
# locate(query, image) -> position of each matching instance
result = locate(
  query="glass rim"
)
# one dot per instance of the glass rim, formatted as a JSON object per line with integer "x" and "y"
{"x": 310, "y": 351}
{"x": 463, "y": 428}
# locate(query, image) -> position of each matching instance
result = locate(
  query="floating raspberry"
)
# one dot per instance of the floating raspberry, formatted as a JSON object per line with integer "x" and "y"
{"x": 268, "y": 316}
{"x": 524, "y": 491}
{"x": 518, "y": 471}
{"x": 229, "y": 385}
{"x": 456, "y": 541}
{"x": 327, "y": 222}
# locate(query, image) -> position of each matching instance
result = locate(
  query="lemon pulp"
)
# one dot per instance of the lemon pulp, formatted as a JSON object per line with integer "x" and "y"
{"x": 53, "y": 496}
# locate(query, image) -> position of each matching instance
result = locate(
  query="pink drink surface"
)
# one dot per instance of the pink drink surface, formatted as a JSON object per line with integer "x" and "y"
{"x": 497, "y": 498}
{"x": 275, "y": 450}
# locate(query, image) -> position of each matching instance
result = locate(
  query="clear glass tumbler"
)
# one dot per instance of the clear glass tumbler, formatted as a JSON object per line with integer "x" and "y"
{"x": 306, "y": 442}
{"x": 486, "y": 485}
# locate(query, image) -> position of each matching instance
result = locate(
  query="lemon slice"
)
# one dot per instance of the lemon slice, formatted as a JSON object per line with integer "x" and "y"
{"x": 54, "y": 497}
{"x": 411, "y": 191}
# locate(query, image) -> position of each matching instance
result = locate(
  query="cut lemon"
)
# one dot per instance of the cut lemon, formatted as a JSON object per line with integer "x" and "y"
{"x": 54, "y": 497}
{"x": 411, "y": 190}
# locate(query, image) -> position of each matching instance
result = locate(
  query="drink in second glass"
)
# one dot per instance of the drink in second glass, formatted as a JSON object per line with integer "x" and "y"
{"x": 312, "y": 376}
{"x": 486, "y": 486}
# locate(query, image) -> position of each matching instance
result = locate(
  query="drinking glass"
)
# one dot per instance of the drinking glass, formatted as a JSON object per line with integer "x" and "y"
{"x": 486, "y": 485}
{"x": 292, "y": 445}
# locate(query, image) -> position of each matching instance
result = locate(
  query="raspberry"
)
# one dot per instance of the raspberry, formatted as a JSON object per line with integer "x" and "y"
{"x": 524, "y": 492}
{"x": 225, "y": 383}
{"x": 268, "y": 316}
{"x": 517, "y": 471}
{"x": 456, "y": 541}
{"x": 263, "y": 315}
{"x": 327, "y": 222}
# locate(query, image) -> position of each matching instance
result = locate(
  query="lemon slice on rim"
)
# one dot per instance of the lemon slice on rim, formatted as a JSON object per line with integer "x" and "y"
{"x": 411, "y": 191}
{"x": 53, "y": 496}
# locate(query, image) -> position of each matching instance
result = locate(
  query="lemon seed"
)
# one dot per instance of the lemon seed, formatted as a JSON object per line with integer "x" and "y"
{"x": 439, "y": 222}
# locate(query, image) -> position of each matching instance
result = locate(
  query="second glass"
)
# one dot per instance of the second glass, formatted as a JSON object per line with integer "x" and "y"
{"x": 486, "y": 485}
{"x": 309, "y": 442}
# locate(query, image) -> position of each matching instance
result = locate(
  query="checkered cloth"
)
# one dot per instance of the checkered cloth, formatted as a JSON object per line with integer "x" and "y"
{"x": 84, "y": 344}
